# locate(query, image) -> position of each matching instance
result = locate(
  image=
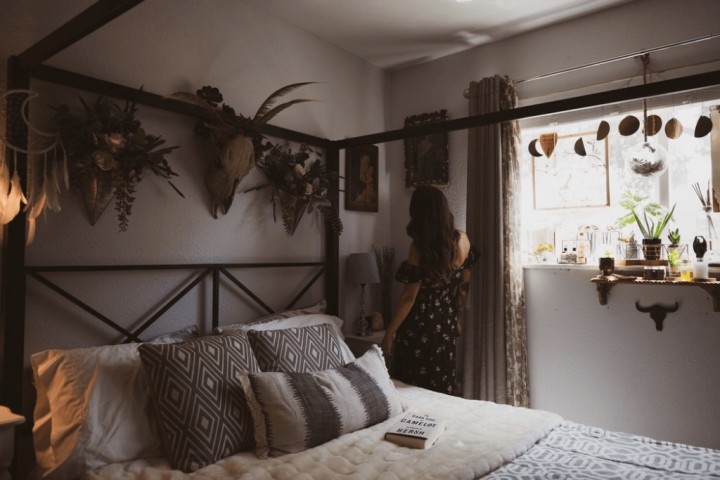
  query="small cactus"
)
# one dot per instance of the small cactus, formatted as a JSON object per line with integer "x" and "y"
{"x": 674, "y": 236}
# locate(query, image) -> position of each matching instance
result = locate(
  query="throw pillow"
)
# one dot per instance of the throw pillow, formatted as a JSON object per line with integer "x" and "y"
{"x": 296, "y": 411}
{"x": 305, "y": 349}
{"x": 195, "y": 386}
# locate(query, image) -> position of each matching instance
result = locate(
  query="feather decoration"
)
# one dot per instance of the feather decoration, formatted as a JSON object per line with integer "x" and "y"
{"x": 51, "y": 190}
{"x": 34, "y": 210}
{"x": 270, "y": 100}
{"x": 237, "y": 139}
{"x": 11, "y": 195}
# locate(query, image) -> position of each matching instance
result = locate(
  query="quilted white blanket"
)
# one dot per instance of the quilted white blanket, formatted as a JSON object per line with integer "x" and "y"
{"x": 480, "y": 437}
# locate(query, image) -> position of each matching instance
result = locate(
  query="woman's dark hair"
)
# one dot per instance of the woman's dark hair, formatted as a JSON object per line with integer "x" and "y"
{"x": 432, "y": 228}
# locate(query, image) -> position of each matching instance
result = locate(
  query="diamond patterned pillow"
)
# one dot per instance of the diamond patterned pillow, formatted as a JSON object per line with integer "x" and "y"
{"x": 304, "y": 349}
{"x": 195, "y": 386}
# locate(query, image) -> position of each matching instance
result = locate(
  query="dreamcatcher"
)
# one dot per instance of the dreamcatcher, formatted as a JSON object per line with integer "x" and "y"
{"x": 46, "y": 164}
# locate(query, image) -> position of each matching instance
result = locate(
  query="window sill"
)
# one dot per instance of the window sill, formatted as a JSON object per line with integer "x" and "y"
{"x": 561, "y": 266}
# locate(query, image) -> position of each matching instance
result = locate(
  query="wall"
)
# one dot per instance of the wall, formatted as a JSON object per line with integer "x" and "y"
{"x": 604, "y": 366}
{"x": 167, "y": 46}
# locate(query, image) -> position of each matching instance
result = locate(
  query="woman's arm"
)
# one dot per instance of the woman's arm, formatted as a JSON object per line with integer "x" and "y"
{"x": 405, "y": 303}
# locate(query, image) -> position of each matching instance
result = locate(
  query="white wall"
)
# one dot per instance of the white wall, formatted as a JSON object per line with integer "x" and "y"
{"x": 604, "y": 366}
{"x": 608, "y": 366}
{"x": 168, "y": 46}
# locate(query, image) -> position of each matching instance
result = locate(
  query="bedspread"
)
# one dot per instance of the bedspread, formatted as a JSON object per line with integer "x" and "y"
{"x": 479, "y": 438}
{"x": 579, "y": 452}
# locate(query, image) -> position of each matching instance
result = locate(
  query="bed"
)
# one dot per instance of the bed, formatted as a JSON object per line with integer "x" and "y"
{"x": 283, "y": 397}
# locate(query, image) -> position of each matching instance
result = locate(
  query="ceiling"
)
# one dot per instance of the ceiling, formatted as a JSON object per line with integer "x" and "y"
{"x": 393, "y": 34}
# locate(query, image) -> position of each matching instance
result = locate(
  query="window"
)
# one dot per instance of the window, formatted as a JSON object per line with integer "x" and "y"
{"x": 565, "y": 193}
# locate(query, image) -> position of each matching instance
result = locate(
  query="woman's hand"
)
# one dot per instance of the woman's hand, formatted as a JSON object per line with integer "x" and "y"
{"x": 387, "y": 343}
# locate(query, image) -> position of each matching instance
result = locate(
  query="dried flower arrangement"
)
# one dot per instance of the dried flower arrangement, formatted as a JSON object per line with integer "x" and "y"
{"x": 299, "y": 184}
{"x": 109, "y": 152}
{"x": 235, "y": 140}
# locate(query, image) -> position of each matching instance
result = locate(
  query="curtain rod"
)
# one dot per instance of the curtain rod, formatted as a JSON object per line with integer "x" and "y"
{"x": 621, "y": 57}
{"x": 626, "y": 56}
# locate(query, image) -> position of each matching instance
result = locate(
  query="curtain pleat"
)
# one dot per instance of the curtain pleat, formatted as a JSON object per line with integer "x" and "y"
{"x": 494, "y": 363}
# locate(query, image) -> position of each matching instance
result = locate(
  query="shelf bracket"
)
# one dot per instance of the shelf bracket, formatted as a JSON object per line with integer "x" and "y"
{"x": 657, "y": 312}
{"x": 603, "y": 289}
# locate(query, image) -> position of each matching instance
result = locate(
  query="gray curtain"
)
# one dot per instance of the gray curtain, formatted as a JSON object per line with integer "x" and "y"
{"x": 494, "y": 353}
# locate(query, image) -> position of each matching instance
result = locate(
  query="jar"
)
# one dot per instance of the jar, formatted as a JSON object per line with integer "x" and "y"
{"x": 686, "y": 271}
{"x": 700, "y": 270}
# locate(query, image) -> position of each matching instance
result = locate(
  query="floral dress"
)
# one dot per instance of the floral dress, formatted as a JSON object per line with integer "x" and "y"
{"x": 424, "y": 349}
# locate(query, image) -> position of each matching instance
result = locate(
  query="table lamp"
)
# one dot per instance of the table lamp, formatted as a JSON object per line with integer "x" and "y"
{"x": 361, "y": 270}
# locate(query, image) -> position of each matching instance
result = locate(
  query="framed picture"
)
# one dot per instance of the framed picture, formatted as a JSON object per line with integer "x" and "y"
{"x": 426, "y": 157}
{"x": 361, "y": 178}
{"x": 566, "y": 179}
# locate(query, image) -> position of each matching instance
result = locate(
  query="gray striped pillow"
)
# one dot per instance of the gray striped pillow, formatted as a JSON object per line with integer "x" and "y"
{"x": 295, "y": 411}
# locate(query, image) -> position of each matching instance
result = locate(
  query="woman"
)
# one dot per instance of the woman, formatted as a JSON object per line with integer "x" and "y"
{"x": 422, "y": 333}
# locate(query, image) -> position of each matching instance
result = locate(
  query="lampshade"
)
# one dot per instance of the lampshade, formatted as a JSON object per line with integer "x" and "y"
{"x": 362, "y": 268}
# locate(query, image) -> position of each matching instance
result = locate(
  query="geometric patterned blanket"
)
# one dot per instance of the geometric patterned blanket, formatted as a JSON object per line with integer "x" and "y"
{"x": 579, "y": 452}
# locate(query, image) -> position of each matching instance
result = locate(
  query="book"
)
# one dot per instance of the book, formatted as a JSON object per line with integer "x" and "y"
{"x": 415, "y": 430}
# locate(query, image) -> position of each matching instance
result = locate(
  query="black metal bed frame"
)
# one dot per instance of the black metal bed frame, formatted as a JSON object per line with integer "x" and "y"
{"x": 29, "y": 64}
{"x": 214, "y": 270}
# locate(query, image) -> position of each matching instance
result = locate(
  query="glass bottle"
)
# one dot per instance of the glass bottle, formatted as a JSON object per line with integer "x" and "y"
{"x": 686, "y": 270}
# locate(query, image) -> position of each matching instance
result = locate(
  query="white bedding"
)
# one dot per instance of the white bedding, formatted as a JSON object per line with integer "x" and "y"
{"x": 480, "y": 437}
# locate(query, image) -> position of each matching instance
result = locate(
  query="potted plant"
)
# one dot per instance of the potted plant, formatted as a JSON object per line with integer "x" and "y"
{"x": 674, "y": 237}
{"x": 607, "y": 263}
{"x": 651, "y": 225}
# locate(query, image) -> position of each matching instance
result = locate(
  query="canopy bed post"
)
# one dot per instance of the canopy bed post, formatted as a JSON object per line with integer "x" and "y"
{"x": 12, "y": 326}
{"x": 332, "y": 241}
{"x": 12, "y": 302}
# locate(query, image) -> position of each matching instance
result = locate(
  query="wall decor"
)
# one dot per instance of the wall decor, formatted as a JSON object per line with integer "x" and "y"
{"x": 108, "y": 153}
{"x": 426, "y": 157}
{"x": 361, "y": 178}
{"x": 235, "y": 140}
{"x": 299, "y": 184}
{"x": 565, "y": 179}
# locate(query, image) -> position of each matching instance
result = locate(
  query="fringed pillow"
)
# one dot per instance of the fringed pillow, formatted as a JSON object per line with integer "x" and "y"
{"x": 296, "y": 411}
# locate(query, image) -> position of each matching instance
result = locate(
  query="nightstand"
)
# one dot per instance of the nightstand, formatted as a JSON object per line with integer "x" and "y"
{"x": 8, "y": 422}
{"x": 359, "y": 345}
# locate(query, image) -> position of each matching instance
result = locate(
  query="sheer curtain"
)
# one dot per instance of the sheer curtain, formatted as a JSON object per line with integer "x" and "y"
{"x": 494, "y": 356}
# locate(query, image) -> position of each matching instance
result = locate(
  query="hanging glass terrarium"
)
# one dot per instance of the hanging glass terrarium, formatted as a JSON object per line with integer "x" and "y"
{"x": 647, "y": 158}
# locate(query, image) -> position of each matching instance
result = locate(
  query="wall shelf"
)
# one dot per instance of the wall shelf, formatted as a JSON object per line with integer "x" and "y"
{"x": 605, "y": 284}
{"x": 657, "y": 312}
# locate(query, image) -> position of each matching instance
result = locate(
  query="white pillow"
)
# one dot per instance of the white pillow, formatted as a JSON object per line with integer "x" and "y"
{"x": 92, "y": 407}
{"x": 310, "y": 309}
{"x": 295, "y": 322}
